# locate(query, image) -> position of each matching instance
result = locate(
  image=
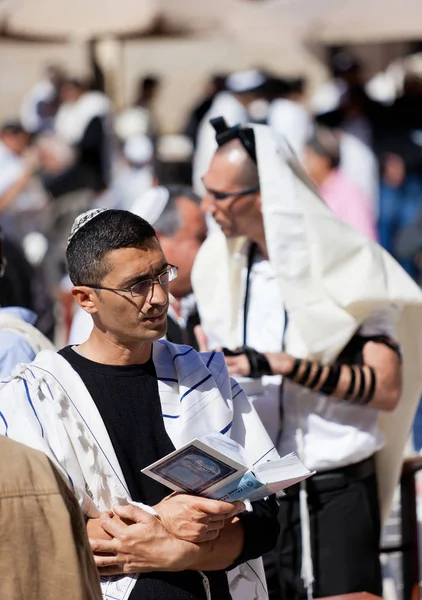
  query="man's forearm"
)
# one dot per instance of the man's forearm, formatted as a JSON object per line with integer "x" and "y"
{"x": 14, "y": 190}
{"x": 376, "y": 383}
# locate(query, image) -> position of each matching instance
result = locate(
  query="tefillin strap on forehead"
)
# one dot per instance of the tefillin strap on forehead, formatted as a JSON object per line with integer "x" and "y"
{"x": 225, "y": 134}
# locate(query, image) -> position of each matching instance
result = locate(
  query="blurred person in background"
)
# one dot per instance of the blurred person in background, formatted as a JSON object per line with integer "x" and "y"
{"x": 322, "y": 163}
{"x": 148, "y": 89}
{"x": 83, "y": 123}
{"x": 285, "y": 264}
{"x": 146, "y": 98}
{"x": 287, "y": 114}
{"x": 215, "y": 85}
{"x": 134, "y": 174}
{"x": 180, "y": 226}
{"x": 24, "y": 204}
{"x": 360, "y": 119}
{"x": 400, "y": 151}
{"x": 82, "y": 143}
{"x": 346, "y": 74}
{"x": 242, "y": 90}
{"x": 139, "y": 120}
{"x": 20, "y": 341}
{"x": 40, "y": 104}
{"x": 47, "y": 555}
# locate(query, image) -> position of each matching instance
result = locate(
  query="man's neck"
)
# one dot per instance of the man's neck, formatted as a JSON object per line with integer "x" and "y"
{"x": 104, "y": 349}
{"x": 259, "y": 239}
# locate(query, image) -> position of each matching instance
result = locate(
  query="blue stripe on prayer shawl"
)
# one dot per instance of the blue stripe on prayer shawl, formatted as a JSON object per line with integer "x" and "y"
{"x": 210, "y": 359}
{"x": 236, "y": 395}
{"x": 33, "y": 375}
{"x": 5, "y": 422}
{"x": 25, "y": 383}
{"x": 87, "y": 426}
{"x": 170, "y": 416}
{"x": 227, "y": 428}
{"x": 195, "y": 386}
{"x": 182, "y": 353}
{"x": 263, "y": 456}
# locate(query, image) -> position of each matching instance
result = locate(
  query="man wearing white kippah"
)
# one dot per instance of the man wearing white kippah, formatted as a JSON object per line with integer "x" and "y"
{"x": 180, "y": 227}
{"x": 299, "y": 295}
{"x": 111, "y": 406}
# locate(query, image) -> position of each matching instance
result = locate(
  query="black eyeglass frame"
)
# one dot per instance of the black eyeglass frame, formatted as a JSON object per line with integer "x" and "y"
{"x": 219, "y": 196}
{"x": 170, "y": 269}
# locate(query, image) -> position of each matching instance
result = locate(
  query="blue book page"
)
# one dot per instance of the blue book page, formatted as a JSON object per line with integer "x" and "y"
{"x": 245, "y": 487}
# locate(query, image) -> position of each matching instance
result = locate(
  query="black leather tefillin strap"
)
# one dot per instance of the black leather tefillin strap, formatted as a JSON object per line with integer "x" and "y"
{"x": 258, "y": 362}
{"x": 225, "y": 134}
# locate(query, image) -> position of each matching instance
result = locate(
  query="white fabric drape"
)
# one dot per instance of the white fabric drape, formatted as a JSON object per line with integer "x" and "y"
{"x": 331, "y": 278}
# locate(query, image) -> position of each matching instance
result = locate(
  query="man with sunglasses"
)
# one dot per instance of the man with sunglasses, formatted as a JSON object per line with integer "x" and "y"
{"x": 299, "y": 295}
{"x": 111, "y": 406}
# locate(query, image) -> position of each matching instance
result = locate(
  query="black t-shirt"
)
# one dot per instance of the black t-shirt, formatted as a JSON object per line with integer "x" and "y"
{"x": 128, "y": 401}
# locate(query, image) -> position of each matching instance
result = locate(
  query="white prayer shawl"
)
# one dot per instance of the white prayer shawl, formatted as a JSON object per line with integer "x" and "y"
{"x": 36, "y": 340}
{"x": 331, "y": 278}
{"x": 47, "y": 406}
{"x": 74, "y": 117}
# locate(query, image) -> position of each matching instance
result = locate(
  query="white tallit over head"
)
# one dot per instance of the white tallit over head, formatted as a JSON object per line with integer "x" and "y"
{"x": 331, "y": 277}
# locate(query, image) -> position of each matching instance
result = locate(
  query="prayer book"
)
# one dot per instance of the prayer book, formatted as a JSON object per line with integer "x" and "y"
{"x": 214, "y": 466}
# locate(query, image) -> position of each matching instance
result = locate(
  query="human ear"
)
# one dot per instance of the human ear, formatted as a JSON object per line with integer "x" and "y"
{"x": 86, "y": 298}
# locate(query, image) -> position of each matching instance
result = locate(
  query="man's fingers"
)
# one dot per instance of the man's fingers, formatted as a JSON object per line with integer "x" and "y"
{"x": 217, "y": 508}
{"x": 210, "y": 535}
{"x": 105, "y": 546}
{"x": 112, "y": 526}
{"x": 132, "y": 513}
{"x": 216, "y": 525}
{"x": 107, "y": 561}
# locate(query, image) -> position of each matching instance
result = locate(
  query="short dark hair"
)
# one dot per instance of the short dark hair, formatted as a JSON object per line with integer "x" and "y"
{"x": 13, "y": 128}
{"x": 110, "y": 230}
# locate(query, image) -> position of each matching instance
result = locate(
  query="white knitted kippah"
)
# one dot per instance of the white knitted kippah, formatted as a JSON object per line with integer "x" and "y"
{"x": 82, "y": 219}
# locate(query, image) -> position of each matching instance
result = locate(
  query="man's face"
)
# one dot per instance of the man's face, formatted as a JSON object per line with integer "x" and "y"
{"x": 129, "y": 319}
{"x": 15, "y": 142}
{"x": 236, "y": 215}
{"x": 69, "y": 92}
{"x": 181, "y": 249}
{"x": 316, "y": 166}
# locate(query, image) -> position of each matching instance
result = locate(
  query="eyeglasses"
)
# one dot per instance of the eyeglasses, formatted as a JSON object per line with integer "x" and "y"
{"x": 141, "y": 288}
{"x": 224, "y": 195}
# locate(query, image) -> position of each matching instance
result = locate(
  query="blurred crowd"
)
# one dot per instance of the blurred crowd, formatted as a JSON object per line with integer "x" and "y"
{"x": 69, "y": 150}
